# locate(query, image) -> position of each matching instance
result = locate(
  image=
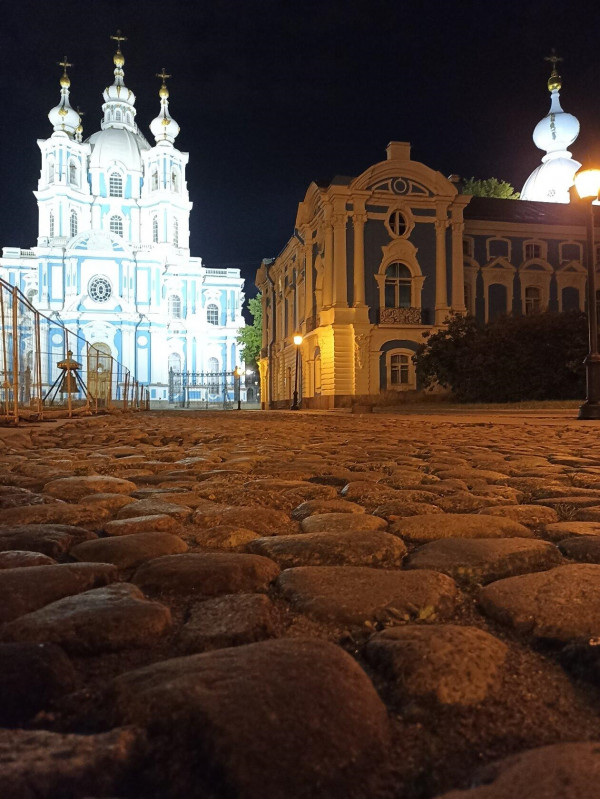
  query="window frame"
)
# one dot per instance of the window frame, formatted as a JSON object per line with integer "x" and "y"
{"x": 115, "y": 184}
{"x": 209, "y": 313}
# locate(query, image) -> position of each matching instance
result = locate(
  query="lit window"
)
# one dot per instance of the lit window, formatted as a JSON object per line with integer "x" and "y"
{"x": 397, "y": 223}
{"x": 176, "y": 233}
{"x": 51, "y": 224}
{"x": 174, "y": 306}
{"x": 212, "y": 314}
{"x": 73, "y": 223}
{"x": 155, "y": 229}
{"x": 399, "y": 370}
{"x": 117, "y": 116}
{"x": 533, "y": 300}
{"x": 533, "y": 251}
{"x": 398, "y": 281}
{"x": 115, "y": 185}
{"x": 116, "y": 225}
{"x": 73, "y": 174}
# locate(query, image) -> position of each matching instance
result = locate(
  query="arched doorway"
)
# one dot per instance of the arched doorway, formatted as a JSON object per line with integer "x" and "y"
{"x": 99, "y": 372}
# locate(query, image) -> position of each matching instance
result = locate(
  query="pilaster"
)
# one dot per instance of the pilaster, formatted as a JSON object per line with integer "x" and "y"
{"x": 441, "y": 291}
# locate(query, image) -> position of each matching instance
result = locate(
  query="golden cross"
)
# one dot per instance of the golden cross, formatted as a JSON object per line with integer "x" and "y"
{"x": 554, "y": 59}
{"x": 162, "y": 74}
{"x": 64, "y": 63}
{"x": 118, "y": 38}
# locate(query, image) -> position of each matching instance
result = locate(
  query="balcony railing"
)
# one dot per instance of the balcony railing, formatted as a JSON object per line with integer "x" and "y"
{"x": 401, "y": 316}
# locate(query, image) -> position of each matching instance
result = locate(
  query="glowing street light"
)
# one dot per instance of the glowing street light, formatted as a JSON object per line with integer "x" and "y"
{"x": 297, "y": 342}
{"x": 587, "y": 183}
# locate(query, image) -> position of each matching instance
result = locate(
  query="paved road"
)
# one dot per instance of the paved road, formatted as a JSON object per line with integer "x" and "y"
{"x": 290, "y": 605}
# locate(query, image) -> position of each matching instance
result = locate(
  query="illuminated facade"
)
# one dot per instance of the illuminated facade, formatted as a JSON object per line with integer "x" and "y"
{"x": 112, "y": 260}
{"x": 378, "y": 260}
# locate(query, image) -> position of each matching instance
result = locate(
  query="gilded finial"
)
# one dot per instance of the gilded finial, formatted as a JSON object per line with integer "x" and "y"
{"x": 118, "y": 58}
{"x": 79, "y": 128}
{"x": 65, "y": 81}
{"x": 163, "y": 92}
{"x": 554, "y": 81}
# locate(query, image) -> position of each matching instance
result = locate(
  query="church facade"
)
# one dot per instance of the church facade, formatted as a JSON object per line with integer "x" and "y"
{"x": 112, "y": 259}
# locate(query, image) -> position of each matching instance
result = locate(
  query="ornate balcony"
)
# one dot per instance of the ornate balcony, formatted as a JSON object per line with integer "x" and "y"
{"x": 400, "y": 316}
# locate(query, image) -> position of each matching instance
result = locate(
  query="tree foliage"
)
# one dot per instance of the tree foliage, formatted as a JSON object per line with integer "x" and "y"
{"x": 250, "y": 336}
{"x": 511, "y": 359}
{"x": 492, "y": 187}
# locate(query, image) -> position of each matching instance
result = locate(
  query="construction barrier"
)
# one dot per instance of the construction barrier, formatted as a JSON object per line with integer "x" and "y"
{"x": 45, "y": 367}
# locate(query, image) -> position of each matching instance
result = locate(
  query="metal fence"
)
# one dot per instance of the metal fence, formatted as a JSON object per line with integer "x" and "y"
{"x": 45, "y": 367}
{"x": 213, "y": 390}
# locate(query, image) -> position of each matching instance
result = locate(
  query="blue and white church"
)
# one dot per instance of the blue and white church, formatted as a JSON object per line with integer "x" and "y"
{"x": 112, "y": 261}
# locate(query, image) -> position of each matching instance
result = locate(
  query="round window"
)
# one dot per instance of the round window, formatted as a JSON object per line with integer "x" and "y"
{"x": 99, "y": 289}
{"x": 397, "y": 223}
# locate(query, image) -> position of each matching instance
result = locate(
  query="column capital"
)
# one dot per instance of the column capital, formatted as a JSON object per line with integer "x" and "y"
{"x": 339, "y": 220}
{"x": 359, "y": 217}
{"x": 441, "y": 225}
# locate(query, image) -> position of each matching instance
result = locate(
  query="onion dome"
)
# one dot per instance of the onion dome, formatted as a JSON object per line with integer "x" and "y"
{"x": 551, "y": 181}
{"x": 62, "y": 117}
{"x": 119, "y": 101}
{"x": 163, "y": 127}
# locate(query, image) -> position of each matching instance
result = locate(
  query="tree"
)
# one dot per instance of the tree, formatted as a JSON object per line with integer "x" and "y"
{"x": 250, "y": 336}
{"x": 492, "y": 187}
{"x": 513, "y": 358}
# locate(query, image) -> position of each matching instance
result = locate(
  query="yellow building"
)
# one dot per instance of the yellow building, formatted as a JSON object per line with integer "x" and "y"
{"x": 375, "y": 262}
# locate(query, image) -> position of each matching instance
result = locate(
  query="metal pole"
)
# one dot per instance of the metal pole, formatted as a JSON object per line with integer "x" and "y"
{"x": 125, "y": 390}
{"x": 295, "y": 406}
{"x": 15, "y": 358}
{"x": 38, "y": 346}
{"x": 591, "y": 407}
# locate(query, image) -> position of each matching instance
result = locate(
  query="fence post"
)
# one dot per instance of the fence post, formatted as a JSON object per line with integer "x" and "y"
{"x": 15, "y": 357}
{"x": 86, "y": 349}
{"x": 38, "y": 347}
{"x": 125, "y": 389}
{"x": 68, "y": 375}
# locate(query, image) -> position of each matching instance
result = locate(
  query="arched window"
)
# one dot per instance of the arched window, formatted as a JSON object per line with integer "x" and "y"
{"x": 115, "y": 185}
{"x": 73, "y": 223}
{"x": 154, "y": 180}
{"x": 174, "y": 363}
{"x": 398, "y": 281}
{"x": 73, "y": 174}
{"x": 212, "y": 314}
{"x": 117, "y": 116}
{"x": 51, "y": 224}
{"x": 176, "y": 233}
{"x": 116, "y": 225}
{"x": 175, "y": 180}
{"x": 51, "y": 169}
{"x": 155, "y": 229}
{"x": 174, "y": 306}
{"x": 533, "y": 300}
{"x": 399, "y": 375}
{"x": 213, "y": 365}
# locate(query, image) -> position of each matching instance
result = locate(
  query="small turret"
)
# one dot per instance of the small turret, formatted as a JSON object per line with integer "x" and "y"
{"x": 163, "y": 127}
{"x": 62, "y": 117}
{"x": 119, "y": 101}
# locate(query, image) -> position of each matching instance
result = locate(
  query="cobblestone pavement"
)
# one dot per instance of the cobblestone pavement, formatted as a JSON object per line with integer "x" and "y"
{"x": 300, "y": 605}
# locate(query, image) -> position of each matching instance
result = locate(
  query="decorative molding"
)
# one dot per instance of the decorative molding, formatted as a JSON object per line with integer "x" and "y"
{"x": 400, "y": 316}
{"x": 402, "y": 186}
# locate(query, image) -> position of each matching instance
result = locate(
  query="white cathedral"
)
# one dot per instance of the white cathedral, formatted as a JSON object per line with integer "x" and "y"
{"x": 112, "y": 261}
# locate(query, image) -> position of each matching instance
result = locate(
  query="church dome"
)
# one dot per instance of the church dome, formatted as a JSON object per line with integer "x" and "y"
{"x": 163, "y": 127}
{"x": 551, "y": 181}
{"x": 117, "y": 145}
{"x": 62, "y": 117}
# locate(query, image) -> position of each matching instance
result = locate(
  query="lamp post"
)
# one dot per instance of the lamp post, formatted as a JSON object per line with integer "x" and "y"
{"x": 236, "y": 387}
{"x": 587, "y": 183}
{"x": 297, "y": 342}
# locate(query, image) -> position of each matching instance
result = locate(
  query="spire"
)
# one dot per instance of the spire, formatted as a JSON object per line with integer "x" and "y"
{"x": 163, "y": 127}
{"x": 551, "y": 181}
{"x": 62, "y": 116}
{"x": 119, "y": 101}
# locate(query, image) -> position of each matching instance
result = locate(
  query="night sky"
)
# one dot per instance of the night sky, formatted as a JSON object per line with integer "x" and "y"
{"x": 272, "y": 94}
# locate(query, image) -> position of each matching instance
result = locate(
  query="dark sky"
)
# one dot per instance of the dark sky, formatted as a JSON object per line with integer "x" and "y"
{"x": 272, "y": 94}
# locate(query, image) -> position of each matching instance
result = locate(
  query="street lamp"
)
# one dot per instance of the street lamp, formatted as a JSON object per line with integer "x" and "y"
{"x": 587, "y": 183}
{"x": 297, "y": 342}
{"x": 237, "y": 373}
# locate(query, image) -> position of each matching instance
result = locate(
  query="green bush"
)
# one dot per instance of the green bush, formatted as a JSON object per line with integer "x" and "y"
{"x": 513, "y": 358}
